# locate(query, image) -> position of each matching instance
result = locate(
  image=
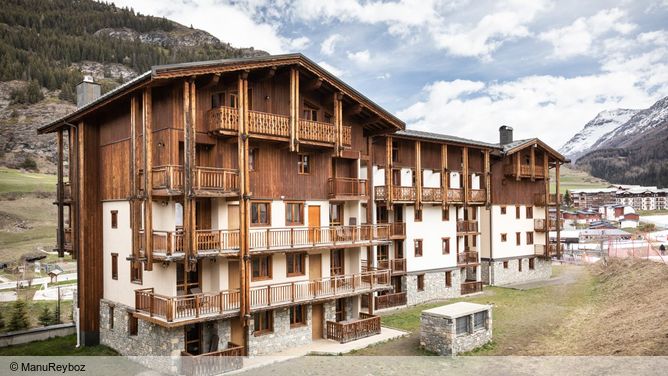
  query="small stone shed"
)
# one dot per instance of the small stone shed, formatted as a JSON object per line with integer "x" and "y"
{"x": 455, "y": 328}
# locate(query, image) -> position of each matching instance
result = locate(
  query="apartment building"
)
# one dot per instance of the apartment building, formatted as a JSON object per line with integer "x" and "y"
{"x": 635, "y": 196}
{"x": 221, "y": 208}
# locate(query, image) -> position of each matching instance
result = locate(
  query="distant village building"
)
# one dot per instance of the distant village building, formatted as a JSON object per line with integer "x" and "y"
{"x": 634, "y": 196}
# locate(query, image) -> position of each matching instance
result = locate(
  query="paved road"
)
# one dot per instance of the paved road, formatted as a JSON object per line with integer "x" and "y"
{"x": 38, "y": 281}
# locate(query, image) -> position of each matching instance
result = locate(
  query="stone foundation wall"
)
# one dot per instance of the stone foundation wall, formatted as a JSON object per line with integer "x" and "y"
{"x": 283, "y": 336}
{"x": 438, "y": 335}
{"x": 434, "y": 287}
{"x": 493, "y": 273}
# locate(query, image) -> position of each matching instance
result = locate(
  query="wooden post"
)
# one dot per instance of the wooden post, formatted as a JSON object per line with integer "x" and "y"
{"x": 74, "y": 187}
{"x": 294, "y": 109}
{"x": 488, "y": 177}
{"x": 187, "y": 177}
{"x": 60, "y": 197}
{"x": 556, "y": 169}
{"x": 388, "y": 172}
{"x": 465, "y": 175}
{"x": 533, "y": 163}
{"x": 369, "y": 181}
{"x": 338, "y": 123}
{"x": 517, "y": 165}
{"x": 147, "y": 132}
{"x": 444, "y": 176}
{"x": 135, "y": 208}
{"x": 193, "y": 165}
{"x": 418, "y": 175}
{"x": 547, "y": 204}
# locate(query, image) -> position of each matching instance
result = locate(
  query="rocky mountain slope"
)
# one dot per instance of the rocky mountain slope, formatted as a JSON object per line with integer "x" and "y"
{"x": 604, "y": 123}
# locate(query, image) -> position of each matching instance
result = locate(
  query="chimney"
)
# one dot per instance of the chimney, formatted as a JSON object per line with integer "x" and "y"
{"x": 87, "y": 91}
{"x": 505, "y": 135}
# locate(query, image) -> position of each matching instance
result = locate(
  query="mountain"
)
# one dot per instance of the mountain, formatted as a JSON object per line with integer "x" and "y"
{"x": 46, "y": 46}
{"x": 633, "y": 152}
{"x": 605, "y": 122}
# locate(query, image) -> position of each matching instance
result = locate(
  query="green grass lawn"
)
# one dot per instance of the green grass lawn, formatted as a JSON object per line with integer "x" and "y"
{"x": 576, "y": 179}
{"x": 17, "y": 181}
{"x": 35, "y": 308}
{"x": 40, "y": 215}
{"x": 60, "y": 346}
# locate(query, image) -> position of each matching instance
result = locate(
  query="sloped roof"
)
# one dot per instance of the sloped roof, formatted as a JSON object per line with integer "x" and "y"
{"x": 518, "y": 145}
{"x": 410, "y": 133}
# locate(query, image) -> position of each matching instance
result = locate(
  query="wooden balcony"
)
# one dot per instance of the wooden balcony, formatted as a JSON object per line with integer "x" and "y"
{"x": 541, "y": 225}
{"x": 467, "y": 257}
{"x": 347, "y": 188}
{"x": 390, "y": 300}
{"x": 470, "y": 287}
{"x": 397, "y": 230}
{"x": 467, "y": 226}
{"x": 396, "y": 266}
{"x": 548, "y": 250}
{"x": 346, "y": 331}
{"x": 178, "y": 310}
{"x": 477, "y": 196}
{"x": 432, "y": 194}
{"x": 399, "y": 193}
{"x": 168, "y": 243}
{"x": 455, "y": 195}
{"x": 67, "y": 241}
{"x": 207, "y": 181}
{"x": 212, "y": 363}
{"x": 553, "y": 199}
{"x": 524, "y": 171}
{"x": 225, "y": 121}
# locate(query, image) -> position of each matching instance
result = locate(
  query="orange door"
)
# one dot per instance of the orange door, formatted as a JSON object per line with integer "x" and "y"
{"x": 314, "y": 223}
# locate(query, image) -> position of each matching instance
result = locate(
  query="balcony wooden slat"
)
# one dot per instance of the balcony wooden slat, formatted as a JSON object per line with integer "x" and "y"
{"x": 390, "y": 300}
{"x": 343, "y": 332}
{"x": 470, "y": 287}
{"x": 342, "y": 188}
{"x": 213, "y": 363}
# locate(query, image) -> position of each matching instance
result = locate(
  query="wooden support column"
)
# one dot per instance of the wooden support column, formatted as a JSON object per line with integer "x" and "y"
{"x": 488, "y": 178}
{"x": 338, "y": 123}
{"x": 188, "y": 167}
{"x": 73, "y": 159}
{"x": 369, "y": 181}
{"x": 445, "y": 175}
{"x": 388, "y": 172}
{"x": 147, "y": 137}
{"x": 418, "y": 175}
{"x": 294, "y": 109}
{"x": 244, "y": 206}
{"x": 60, "y": 196}
{"x": 533, "y": 163}
{"x": 465, "y": 175}
{"x": 517, "y": 165}
{"x": 547, "y": 203}
{"x": 135, "y": 207}
{"x": 556, "y": 173}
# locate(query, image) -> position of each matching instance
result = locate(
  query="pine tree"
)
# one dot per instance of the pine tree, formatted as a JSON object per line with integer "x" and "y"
{"x": 45, "y": 318}
{"x": 18, "y": 319}
{"x": 2, "y": 321}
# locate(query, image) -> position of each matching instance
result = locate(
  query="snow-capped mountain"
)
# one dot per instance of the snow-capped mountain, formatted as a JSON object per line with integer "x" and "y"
{"x": 604, "y": 123}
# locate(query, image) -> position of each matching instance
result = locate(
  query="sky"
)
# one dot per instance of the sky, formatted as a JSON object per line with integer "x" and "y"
{"x": 462, "y": 67}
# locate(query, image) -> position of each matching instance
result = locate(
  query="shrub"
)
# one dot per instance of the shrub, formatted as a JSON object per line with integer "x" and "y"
{"x": 45, "y": 318}
{"x": 18, "y": 319}
{"x": 28, "y": 164}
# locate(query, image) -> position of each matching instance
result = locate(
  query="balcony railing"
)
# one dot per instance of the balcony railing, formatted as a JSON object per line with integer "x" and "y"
{"x": 432, "y": 194}
{"x": 397, "y": 266}
{"x": 552, "y": 200}
{"x": 470, "y": 287}
{"x": 67, "y": 241}
{"x": 477, "y": 196}
{"x": 324, "y": 288}
{"x": 212, "y": 363}
{"x": 186, "y": 307}
{"x": 226, "y": 120}
{"x": 398, "y": 229}
{"x": 399, "y": 193}
{"x": 455, "y": 195}
{"x": 467, "y": 257}
{"x": 467, "y": 225}
{"x": 211, "y": 180}
{"x": 548, "y": 250}
{"x": 390, "y": 300}
{"x": 541, "y": 224}
{"x": 346, "y": 188}
{"x": 525, "y": 170}
{"x": 170, "y": 242}
{"x": 366, "y": 326}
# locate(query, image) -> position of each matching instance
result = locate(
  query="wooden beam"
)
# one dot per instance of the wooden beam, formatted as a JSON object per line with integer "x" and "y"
{"x": 547, "y": 204}
{"x": 517, "y": 166}
{"x": 444, "y": 175}
{"x": 147, "y": 131}
{"x": 465, "y": 174}
{"x": 244, "y": 202}
{"x": 313, "y": 84}
{"x": 488, "y": 178}
{"x": 557, "y": 183}
{"x": 193, "y": 163}
{"x": 388, "y": 171}
{"x": 211, "y": 82}
{"x": 73, "y": 159}
{"x": 187, "y": 177}
{"x": 60, "y": 238}
{"x": 338, "y": 123}
{"x": 533, "y": 162}
{"x": 354, "y": 110}
{"x": 369, "y": 182}
{"x": 269, "y": 73}
{"x": 135, "y": 209}
{"x": 294, "y": 109}
{"x": 418, "y": 175}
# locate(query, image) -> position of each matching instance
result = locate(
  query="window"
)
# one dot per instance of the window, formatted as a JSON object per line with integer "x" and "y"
{"x": 263, "y": 322}
{"x": 133, "y": 325}
{"x": 420, "y": 282}
{"x": 294, "y": 213}
{"x": 518, "y": 238}
{"x": 114, "y": 219}
{"x": 503, "y": 210}
{"x": 111, "y": 317}
{"x": 252, "y": 159}
{"x": 479, "y": 320}
{"x": 260, "y": 214}
{"x": 395, "y": 151}
{"x": 114, "y": 266}
{"x": 136, "y": 273}
{"x": 217, "y": 99}
{"x": 517, "y": 212}
{"x": 310, "y": 112}
{"x": 336, "y": 262}
{"x": 529, "y": 237}
{"x": 462, "y": 325}
{"x": 336, "y": 214}
{"x": 340, "y": 310}
{"x": 304, "y": 164}
{"x": 505, "y": 264}
{"x": 295, "y": 264}
{"x": 261, "y": 267}
{"x": 531, "y": 263}
{"x": 448, "y": 279}
{"x": 445, "y": 214}
{"x": 234, "y": 100}
{"x": 529, "y": 212}
{"x": 446, "y": 246}
{"x": 297, "y": 315}
{"x": 418, "y": 215}
{"x": 418, "y": 247}
{"x": 519, "y": 265}
{"x": 504, "y": 237}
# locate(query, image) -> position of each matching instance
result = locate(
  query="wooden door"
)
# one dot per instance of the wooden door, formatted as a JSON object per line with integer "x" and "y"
{"x": 315, "y": 271}
{"x": 233, "y": 274}
{"x": 314, "y": 223}
{"x": 203, "y": 214}
{"x": 193, "y": 339}
{"x": 317, "y": 321}
{"x": 237, "y": 331}
{"x": 233, "y": 217}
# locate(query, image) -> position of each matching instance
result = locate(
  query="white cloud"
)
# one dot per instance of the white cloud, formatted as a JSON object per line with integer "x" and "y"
{"x": 360, "y": 57}
{"x": 332, "y": 69}
{"x": 300, "y": 43}
{"x": 578, "y": 37}
{"x": 384, "y": 76}
{"x": 328, "y": 46}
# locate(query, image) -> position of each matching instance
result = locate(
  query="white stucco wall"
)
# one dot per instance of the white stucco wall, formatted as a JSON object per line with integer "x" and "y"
{"x": 509, "y": 224}
{"x": 431, "y": 230}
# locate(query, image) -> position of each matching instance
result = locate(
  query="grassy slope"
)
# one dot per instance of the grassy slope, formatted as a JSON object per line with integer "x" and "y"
{"x": 576, "y": 179}
{"x": 17, "y": 181}
{"x": 61, "y": 346}
{"x": 40, "y": 214}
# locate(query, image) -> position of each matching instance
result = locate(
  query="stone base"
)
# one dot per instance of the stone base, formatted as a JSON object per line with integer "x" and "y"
{"x": 493, "y": 272}
{"x": 434, "y": 287}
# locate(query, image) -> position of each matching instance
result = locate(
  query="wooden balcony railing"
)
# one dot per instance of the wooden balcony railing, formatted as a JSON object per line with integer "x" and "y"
{"x": 68, "y": 238}
{"x": 222, "y": 119}
{"x": 467, "y": 257}
{"x": 346, "y": 331}
{"x": 211, "y": 180}
{"x": 552, "y": 200}
{"x": 399, "y": 193}
{"x": 455, "y": 195}
{"x": 524, "y": 171}
{"x": 346, "y": 187}
{"x": 553, "y": 247}
{"x": 548, "y": 250}
{"x": 294, "y": 237}
{"x": 398, "y": 229}
{"x": 542, "y": 224}
{"x": 347, "y": 135}
{"x": 397, "y": 266}
{"x": 264, "y": 123}
{"x": 323, "y": 288}
{"x": 477, "y": 196}
{"x": 212, "y": 363}
{"x": 432, "y": 194}
{"x": 186, "y": 307}
{"x": 467, "y": 225}
{"x": 170, "y": 242}
{"x": 390, "y": 300}
{"x": 470, "y": 287}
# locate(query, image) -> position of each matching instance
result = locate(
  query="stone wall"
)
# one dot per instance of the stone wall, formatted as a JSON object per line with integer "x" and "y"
{"x": 438, "y": 335}
{"x": 493, "y": 273}
{"x": 434, "y": 287}
{"x": 283, "y": 336}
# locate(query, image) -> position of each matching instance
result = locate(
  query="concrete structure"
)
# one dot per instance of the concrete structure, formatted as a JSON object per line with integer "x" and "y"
{"x": 455, "y": 328}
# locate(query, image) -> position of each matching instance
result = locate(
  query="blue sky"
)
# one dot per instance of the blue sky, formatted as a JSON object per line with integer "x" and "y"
{"x": 462, "y": 67}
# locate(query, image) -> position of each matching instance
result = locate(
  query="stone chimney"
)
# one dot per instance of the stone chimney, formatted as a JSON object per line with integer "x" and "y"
{"x": 505, "y": 135}
{"x": 87, "y": 91}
